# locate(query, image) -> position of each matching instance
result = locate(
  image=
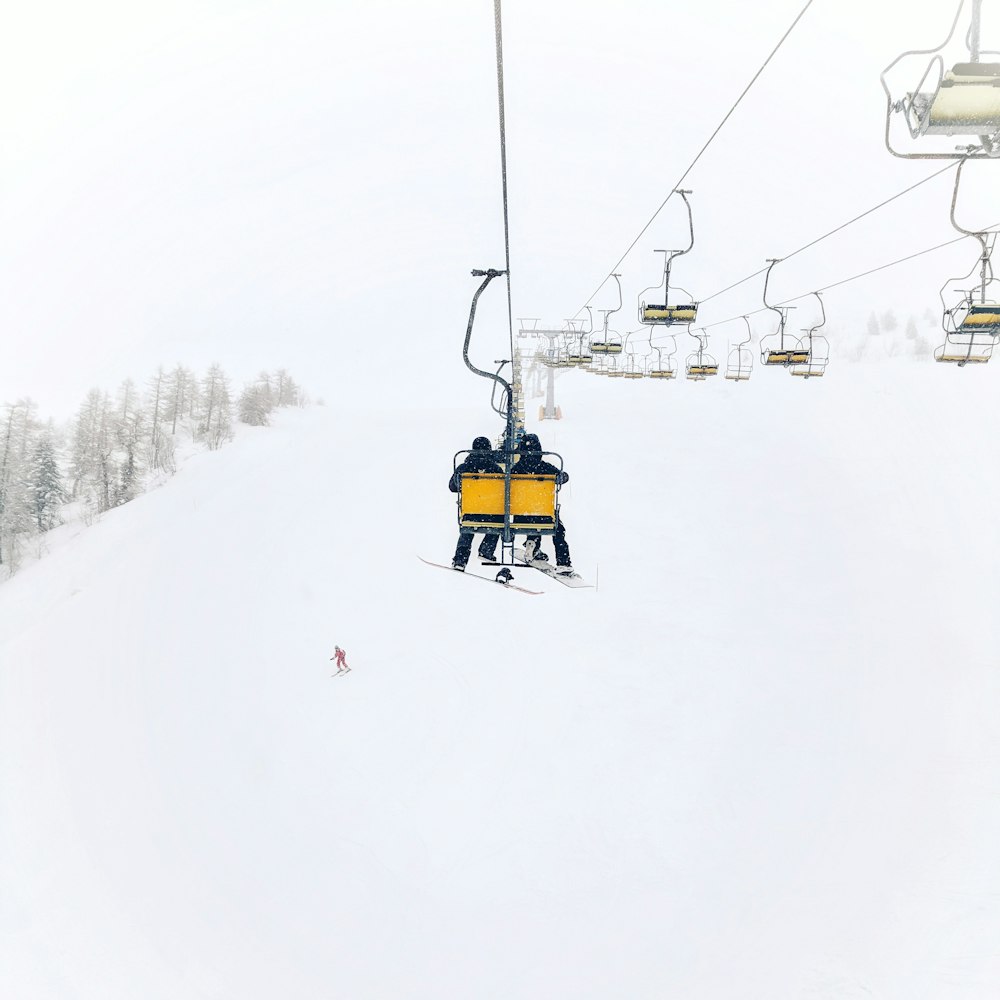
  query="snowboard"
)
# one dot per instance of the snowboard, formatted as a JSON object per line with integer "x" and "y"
{"x": 487, "y": 579}
{"x": 544, "y": 566}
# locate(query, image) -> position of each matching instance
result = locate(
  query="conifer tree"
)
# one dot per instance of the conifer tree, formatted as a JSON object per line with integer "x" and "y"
{"x": 129, "y": 422}
{"x": 253, "y": 406}
{"x": 46, "y": 492}
{"x": 215, "y": 426}
{"x": 16, "y": 440}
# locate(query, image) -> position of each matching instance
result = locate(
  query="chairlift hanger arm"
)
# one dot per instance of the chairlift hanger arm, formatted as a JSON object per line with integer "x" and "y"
{"x": 617, "y": 278}
{"x": 744, "y": 343}
{"x": 981, "y": 234}
{"x": 781, "y": 313}
{"x": 822, "y": 310}
{"x": 680, "y": 253}
{"x": 487, "y": 276}
{"x": 917, "y": 52}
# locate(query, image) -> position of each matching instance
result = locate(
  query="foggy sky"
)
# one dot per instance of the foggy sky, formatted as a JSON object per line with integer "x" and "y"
{"x": 309, "y": 184}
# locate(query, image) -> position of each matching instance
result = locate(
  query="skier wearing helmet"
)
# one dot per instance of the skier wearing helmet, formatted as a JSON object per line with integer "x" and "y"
{"x": 480, "y": 459}
{"x": 530, "y": 461}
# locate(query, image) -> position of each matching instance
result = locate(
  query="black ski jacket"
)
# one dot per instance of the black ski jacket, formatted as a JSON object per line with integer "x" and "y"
{"x": 478, "y": 461}
{"x": 532, "y": 463}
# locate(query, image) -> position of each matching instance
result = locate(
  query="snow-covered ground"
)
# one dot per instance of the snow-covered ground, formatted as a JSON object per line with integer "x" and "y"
{"x": 760, "y": 760}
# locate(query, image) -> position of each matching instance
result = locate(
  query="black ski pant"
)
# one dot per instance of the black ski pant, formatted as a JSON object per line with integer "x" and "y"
{"x": 487, "y": 547}
{"x": 558, "y": 541}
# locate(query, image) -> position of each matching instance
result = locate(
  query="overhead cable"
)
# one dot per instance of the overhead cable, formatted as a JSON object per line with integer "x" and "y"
{"x": 691, "y": 165}
{"x": 498, "y": 31}
{"x": 844, "y": 225}
{"x": 843, "y": 281}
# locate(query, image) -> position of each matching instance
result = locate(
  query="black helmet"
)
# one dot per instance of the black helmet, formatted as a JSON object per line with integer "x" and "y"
{"x": 530, "y": 442}
{"x": 482, "y": 444}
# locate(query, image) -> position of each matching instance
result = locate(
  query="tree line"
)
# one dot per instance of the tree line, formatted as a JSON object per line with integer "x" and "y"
{"x": 116, "y": 446}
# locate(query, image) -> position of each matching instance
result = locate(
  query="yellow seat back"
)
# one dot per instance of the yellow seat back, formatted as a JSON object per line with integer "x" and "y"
{"x": 532, "y": 502}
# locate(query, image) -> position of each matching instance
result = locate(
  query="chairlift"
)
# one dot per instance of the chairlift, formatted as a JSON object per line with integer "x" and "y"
{"x": 780, "y": 348}
{"x": 656, "y": 313}
{"x": 972, "y": 326}
{"x": 700, "y": 364}
{"x": 816, "y": 348}
{"x": 739, "y": 364}
{"x": 608, "y": 342}
{"x": 962, "y": 101}
{"x": 664, "y": 369}
{"x": 579, "y": 352}
{"x": 972, "y": 329}
{"x": 633, "y": 368}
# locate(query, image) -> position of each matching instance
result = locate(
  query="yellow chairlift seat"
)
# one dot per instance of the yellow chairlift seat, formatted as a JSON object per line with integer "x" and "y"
{"x": 962, "y": 359}
{"x": 966, "y": 103}
{"x": 982, "y": 318}
{"x": 702, "y": 370}
{"x": 738, "y": 377}
{"x": 778, "y": 357}
{"x": 656, "y": 373}
{"x": 615, "y": 374}
{"x": 532, "y": 502}
{"x": 806, "y": 373}
{"x": 657, "y": 315}
{"x": 599, "y": 347}
{"x": 633, "y": 375}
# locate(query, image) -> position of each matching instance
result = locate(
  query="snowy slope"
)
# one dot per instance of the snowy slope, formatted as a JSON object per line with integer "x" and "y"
{"x": 759, "y": 761}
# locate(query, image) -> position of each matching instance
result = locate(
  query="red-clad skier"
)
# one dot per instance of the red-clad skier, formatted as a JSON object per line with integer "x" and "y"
{"x": 341, "y": 657}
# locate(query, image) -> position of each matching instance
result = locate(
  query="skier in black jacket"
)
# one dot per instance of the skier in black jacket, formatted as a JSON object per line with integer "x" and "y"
{"x": 531, "y": 462}
{"x": 479, "y": 460}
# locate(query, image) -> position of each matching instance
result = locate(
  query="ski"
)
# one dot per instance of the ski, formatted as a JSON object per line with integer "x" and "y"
{"x": 487, "y": 579}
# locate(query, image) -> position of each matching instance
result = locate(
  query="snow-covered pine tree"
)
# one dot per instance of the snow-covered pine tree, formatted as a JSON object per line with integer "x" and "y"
{"x": 160, "y": 446}
{"x": 45, "y": 488}
{"x": 253, "y": 406}
{"x": 129, "y": 420}
{"x": 15, "y": 510}
{"x": 286, "y": 391}
{"x": 215, "y": 425}
{"x": 175, "y": 393}
{"x": 93, "y": 466}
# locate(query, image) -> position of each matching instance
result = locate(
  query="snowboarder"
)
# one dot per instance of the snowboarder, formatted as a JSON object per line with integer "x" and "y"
{"x": 479, "y": 460}
{"x": 531, "y": 461}
{"x": 341, "y": 657}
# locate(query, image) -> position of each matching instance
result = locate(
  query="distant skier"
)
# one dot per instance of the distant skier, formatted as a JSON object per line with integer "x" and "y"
{"x": 480, "y": 459}
{"x": 341, "y": 657}
{"x": 531, "y": 461}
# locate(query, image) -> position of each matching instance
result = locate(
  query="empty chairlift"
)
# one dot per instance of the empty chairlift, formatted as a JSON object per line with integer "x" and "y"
{"x": 739, "y": 364}
{"x": 700, "y": 364}
{"x": 657, "y": 310}
{"x": 816, "y": 348}
{"x": 664, "y": 368}
{"x": 971, "y": 326}
{"x": 780, "y": 348}
{"x": 608, "y": 342}
{"x": 579, "y": 352}
{"x": 962, "y": 101}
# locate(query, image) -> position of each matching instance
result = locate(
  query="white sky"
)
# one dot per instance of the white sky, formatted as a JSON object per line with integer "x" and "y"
{"x": 309, "y": 184}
